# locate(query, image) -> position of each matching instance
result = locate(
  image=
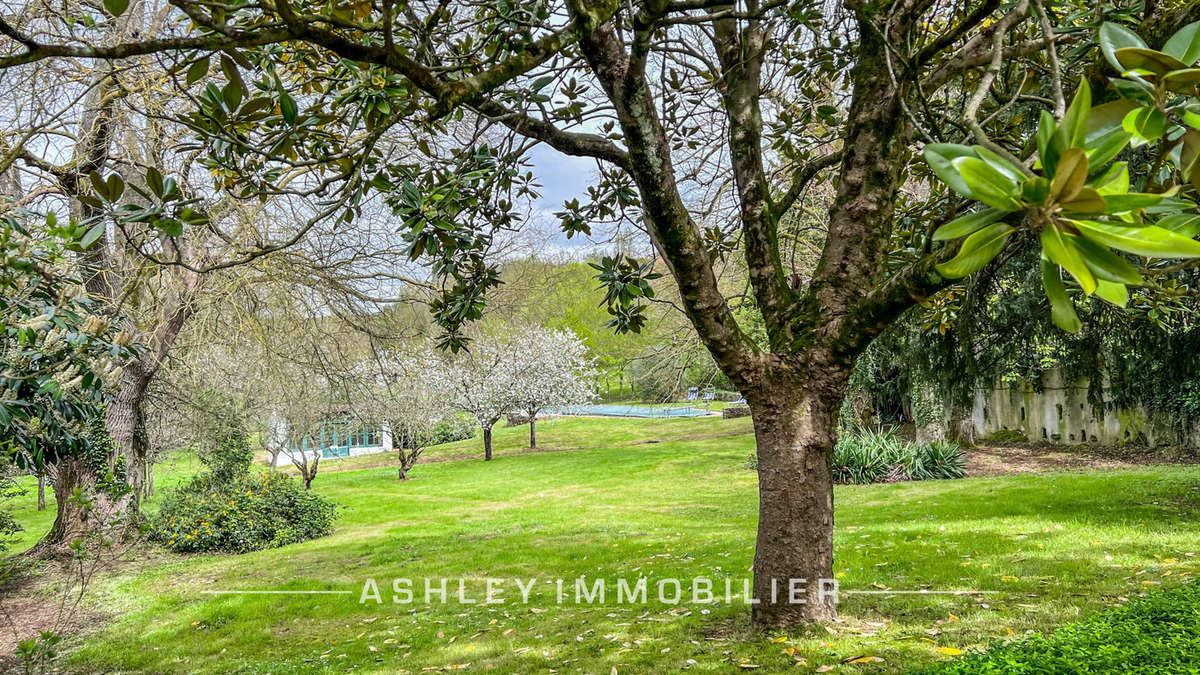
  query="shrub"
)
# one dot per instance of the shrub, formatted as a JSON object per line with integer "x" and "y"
{"x": 867, "y": 456}
{"x": 454, "y": 429}
{"x": 229, "y": 457}
{"x": 247, "y": 513}
{"x": 1156, "y": 634}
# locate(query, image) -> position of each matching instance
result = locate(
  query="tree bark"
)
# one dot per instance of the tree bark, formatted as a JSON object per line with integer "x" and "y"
{"x": 96, "y": 513}
{"x": 533, "y": 430}
{"x": 795, "y": 432}
{"x": 487, "y": 444}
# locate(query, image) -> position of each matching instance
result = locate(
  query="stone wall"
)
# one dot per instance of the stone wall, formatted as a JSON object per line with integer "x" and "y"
{"x": 1060, "y": 413}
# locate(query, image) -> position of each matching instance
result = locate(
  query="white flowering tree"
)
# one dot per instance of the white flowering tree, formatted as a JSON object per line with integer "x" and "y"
{"x": 406, "y": 390}
{"x": 551, "y": 370}
{"x": 482, "y": 383}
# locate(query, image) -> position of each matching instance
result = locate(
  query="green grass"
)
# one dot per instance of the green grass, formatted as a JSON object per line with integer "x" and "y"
{"x": 1056, "y": 548}
{"x": 1156, "y": 634}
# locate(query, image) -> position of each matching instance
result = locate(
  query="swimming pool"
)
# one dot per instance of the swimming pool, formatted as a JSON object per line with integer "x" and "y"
{"x": 611, "y": 410}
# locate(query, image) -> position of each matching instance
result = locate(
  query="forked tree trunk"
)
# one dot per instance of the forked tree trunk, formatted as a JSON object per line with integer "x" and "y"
{"x": 487, "y": 444}
{"x": 795, "y": 432}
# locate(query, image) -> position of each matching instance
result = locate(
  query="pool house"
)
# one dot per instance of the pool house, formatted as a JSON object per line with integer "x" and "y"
{"x": 341, "y": 436}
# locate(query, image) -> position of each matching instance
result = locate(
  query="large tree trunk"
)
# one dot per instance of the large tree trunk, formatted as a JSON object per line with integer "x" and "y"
{"x": 97, "y": 513}
{"x": 487, "y": 444}
{"x": 794, "y": 431}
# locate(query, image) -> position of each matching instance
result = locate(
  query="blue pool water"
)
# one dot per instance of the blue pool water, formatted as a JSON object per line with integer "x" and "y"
{"x": 609, "y": 410}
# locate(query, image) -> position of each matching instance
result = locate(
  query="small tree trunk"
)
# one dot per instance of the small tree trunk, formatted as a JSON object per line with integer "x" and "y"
{"x": 308, "y": 479}
{"x": 150, "y": 480}
{"x": 41, "y": 476}
{"x": 487, "y": 444}
{"x": 795, "y": 433}
{"x": 533, "y": 430}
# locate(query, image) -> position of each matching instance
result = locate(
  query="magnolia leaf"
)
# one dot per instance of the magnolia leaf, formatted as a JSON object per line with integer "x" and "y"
{"x": 1189, "y": 151}
{"x": 116, "y": 7}
{"x": 287, "y": 107}
{"x": 1036, "y": 190}
{"x": 1087, "y": 200}
{"x": 977, "y": 250}
{"x": 988, "y": 184}
{"x": 1113, "y": 181}
{"x": 1183, "y": 224}
{"x": 1185, "y": 44}
{"x": 1145, "y": 124}
{"x": 92, "y": 234}
{"x": 1140, "y": 58}
{"x": 964, "y": 225}
{"x": 940, "y": 157}
{"x": 1134, "y": 90}
{"x": 1105, "y": 147}
{"x": 1182, "y": 81}
{"x": 1062, "y": 312}
{"x": 1108, "y": 115}
{"x": 196, "y": 71}
{"x": 1115, "y": 36}
{"x": 1074, "y": 122}
{"x": 1105, "y": 264}
{"x": 1150, "y": 241}
{"x": 1113, "y": 292}
{"x": 1000, "y": 163}
{"x": 1132, "y": 201}
{"x": 1069, "y": 176}
{"x": 1063, "y": 252}
{"x": 1050, "y": 144}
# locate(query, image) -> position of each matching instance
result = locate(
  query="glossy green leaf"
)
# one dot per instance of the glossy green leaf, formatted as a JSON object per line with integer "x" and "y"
{"x": 1074, "y": 122}
{"x": 1062, "y": 312}
{"x": 1048, "y": 150}
{"x": 1113, "y": 181}
{"x": 1185, "y": 44}
{"x": 977, "y": 250}
{"x": 1115, "y": 36}
{"x": 1150, "y": 241}
{"x": 1105, "y": 147}
{"x": 1145, "y": 124}
{"x": 1086, "y": 200}
{"x": 1036, "y": 190}
{"x": 197, "y": 71}
{"x": 1063, "y": 252}
{"x": 1113, "y": 292}
{"x": 1103, "y": 262}
{"x": 1070, "y": 175}
{"x": 966, "y": 224}
{"x": 940, "y": 157}
{"x": 1132, "y": 201}
{"x": 287, "y": 107}
{"x": 1182, "y": 81}
{"x": 1183, "y": 224}
{"x": 988, "y": 184}
{"x": 1000, "y": 164}
{"x": 1140, "y": 58}
{"x": 1108, "y": 115}
{"x": 116, "y": 7}
{"x": 93, "y": 234}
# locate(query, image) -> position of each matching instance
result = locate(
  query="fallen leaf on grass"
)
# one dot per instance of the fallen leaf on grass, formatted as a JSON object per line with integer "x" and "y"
{"x": 950, "y": 650}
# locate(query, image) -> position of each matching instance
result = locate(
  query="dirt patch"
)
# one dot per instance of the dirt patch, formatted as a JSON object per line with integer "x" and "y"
{"x": 992, "y": 460}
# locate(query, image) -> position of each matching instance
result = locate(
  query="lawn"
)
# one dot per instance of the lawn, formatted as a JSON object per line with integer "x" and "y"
{"x": 1053, "y": 549}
